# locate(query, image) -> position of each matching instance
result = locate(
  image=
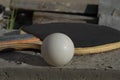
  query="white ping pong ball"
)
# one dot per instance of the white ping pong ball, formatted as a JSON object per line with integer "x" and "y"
{"x": 57, "y": 49}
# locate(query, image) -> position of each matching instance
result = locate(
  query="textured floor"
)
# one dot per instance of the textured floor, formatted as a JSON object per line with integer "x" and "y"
{"x": 109, "y": 60}
{"x": 27, "y": 65}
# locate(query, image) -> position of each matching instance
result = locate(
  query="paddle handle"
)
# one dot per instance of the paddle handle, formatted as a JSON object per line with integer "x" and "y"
{"x": 31, "y": 43}
{"x": 22, "y": 46}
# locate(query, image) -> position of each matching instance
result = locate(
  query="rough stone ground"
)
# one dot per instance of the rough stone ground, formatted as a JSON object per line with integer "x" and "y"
{"x": 109, "y": 13}
{"x": 108, "y": 60}
{"x": 28, "y": 65}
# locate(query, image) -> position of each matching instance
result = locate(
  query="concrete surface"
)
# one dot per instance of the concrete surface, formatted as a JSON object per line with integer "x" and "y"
{"x": 108, "y": 6}
{"x": 5, "y": 3}
{"x": 111, "y": 21}
{"x": 27, "y": 65}
{"x": 109, "y": 13}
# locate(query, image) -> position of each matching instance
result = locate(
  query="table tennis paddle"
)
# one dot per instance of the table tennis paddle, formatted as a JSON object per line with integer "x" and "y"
{"x": 19, "y": 42}
{"x": 87, "y": 38}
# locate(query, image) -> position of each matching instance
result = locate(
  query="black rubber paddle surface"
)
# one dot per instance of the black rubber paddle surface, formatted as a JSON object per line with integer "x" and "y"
{"x": 83, "y": 35}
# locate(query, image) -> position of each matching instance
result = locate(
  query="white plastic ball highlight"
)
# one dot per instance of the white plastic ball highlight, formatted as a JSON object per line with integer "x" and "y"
{"x": 57, "y": 49}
